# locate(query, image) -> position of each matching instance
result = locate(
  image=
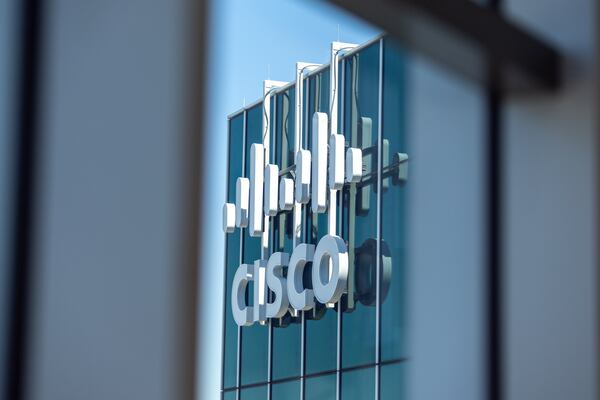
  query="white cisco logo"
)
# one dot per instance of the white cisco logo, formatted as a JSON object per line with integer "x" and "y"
{"x": 319, "y": 174}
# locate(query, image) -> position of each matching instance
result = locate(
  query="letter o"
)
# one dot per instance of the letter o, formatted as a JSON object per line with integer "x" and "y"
{"x": 328, "y": 288}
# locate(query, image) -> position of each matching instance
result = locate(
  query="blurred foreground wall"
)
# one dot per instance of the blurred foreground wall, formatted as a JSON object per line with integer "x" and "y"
{"x": 551, "y": 234}
{"x": 111, "y": 309}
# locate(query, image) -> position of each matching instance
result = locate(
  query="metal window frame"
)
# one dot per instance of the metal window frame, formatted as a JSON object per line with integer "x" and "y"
{"x": 27, "y": 148}
{"x": 378, "y": 234}
{"x": 239, "y": 328}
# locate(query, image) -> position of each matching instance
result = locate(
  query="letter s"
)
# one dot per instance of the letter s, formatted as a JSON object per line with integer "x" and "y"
{"x": 276, "y": 282}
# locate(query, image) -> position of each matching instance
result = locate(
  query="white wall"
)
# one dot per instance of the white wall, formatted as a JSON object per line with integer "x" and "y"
{"x": 108, "y": 309}
{"x": 551, "y": 214}
{"x": 446, "y": 297}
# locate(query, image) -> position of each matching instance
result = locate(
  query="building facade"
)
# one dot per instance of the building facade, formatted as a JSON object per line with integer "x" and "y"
{"x": 357, "y": 346}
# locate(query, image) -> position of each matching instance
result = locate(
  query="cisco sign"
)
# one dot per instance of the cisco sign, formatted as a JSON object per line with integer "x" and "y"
{"x": 315, "y": 177}
{"x": 329, "y": 282}
{"x": 263, "y": 196}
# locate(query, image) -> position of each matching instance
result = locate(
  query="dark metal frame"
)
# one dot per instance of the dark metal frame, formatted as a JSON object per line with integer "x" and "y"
{"x": 28, "y": 143}
{"x": 494, "y": 189}
{"x": 25, "y": 194}
{"x": 466, "y": 37}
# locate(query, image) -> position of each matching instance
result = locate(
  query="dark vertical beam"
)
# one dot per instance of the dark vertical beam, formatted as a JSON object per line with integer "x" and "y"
{"x": 494, "y": 224}
{"x": 26, "y": 152}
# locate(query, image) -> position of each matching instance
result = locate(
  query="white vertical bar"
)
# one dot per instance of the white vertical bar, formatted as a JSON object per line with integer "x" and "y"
{"x": 297, "y": 216}
{"x": 268, "y": 86}
{"x": 238, "y": 377}
{"x": 270, "y": 327}
{"x": 319, "y": 163}
{"x": 297, "y": 213}
{"x": 338, "y": 378}
{"x": 257, "y": 168}
{"x": 333, "y": 117}
{"x": 297, "y": 219}
{"x": 266, "y": 140}
{"x": 336, "y": 48}
{"x": 378, "y": 235}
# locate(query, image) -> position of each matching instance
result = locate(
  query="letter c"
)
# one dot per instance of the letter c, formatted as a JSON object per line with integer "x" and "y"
{"x": 242, "y": 313}
{"x": 299, "y": 297}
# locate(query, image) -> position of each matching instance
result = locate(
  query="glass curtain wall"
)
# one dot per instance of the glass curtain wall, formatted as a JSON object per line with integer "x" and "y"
{"x": 254, "y": 360}
{"x": 286, "y": 332}
{"x": 321, "y": 322}
{"x": 232, "y": 253}
{"x": 386, "y": 98}
{"x": 359, "y": 206}
{"x": 358, "y": 85}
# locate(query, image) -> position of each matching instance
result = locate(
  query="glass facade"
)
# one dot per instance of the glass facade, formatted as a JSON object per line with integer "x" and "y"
{"x": 286, "y": 332}
{"x": 394, "y": 205}
{"x": 254, "y": 362}
{"x": 320, "y": 387}
{"x": 323, "y": 353}
{"x": 359, "y": 209}
{"x": 393, "y": 382}
{"x": 232, "y": 254}
{"x": 321, "y": 323}
{"x": 286, "y": 390}
{"x": 358, "y": 384}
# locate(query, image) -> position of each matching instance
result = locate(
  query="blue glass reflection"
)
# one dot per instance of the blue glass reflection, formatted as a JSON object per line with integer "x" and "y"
{"x": 286, "y": 331}
{"x": 285, "y": 391}
{"x": 232, "y": 256}
{"x": 320, "y": 387}
{"x": 255, "y": 393}
{"x": 255, "y": 337}
{"x": 358, "y": 384}
{"x": 393, "y": 382}
{"x": 228, "y": 395}
{"x": 321, "y": 323}
{"x": 394, "y": 204}
{"x": 359, "y": 223}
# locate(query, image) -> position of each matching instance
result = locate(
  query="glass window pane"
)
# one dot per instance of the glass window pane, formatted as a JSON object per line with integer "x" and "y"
{"x": 254, "y": 337}
{"x": 286, "y": 391}
{"x": 320, "y": 387}
{"x": 393, "y": 221}
{"x": 286, "y": 331}
{"x": 253, "y": 135}
{"x": 358, "y": 384}
{"x": 232, "y": 256}
{"x": 254, "y": 393}
{"x": 321, "y": 323}
{"x": 283, "y": 155}
{"x": 393, "y": 381}
{"x": 228, "y": 395}
{"x": 359, "y": 225}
